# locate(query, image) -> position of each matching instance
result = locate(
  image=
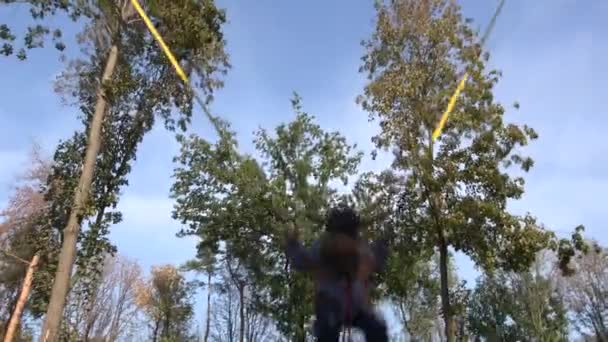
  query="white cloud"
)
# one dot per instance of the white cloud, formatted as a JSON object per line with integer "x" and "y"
{"x": 148, "y": 232}
{"x": 562, "y": 203}
{"x": 146, "y": 214}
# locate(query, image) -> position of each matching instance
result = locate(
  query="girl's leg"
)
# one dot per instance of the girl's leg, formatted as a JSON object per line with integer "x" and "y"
{"x": 372, "y": 326}
{"x": 327, "y": 333}
{"x": 328, "y": 320}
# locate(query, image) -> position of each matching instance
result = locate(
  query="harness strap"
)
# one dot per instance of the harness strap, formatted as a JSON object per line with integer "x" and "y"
{"x": 348, "y": 309}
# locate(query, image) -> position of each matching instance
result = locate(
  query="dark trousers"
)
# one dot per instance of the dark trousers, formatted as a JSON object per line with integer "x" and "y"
{"x": 330, "y": 320}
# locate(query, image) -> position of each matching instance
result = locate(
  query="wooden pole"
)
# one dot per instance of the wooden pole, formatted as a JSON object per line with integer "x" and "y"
{"x": 25, "y": 292}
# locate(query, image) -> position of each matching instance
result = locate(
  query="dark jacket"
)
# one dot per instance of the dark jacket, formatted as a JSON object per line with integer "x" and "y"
{"x": 328, "y": 283}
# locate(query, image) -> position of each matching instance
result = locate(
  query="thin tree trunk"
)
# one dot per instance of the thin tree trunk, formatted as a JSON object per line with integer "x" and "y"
{"x": 11, "y": 308}
{"x": 208, "y": 322}
{"x": 598, "y": 326}
{"x": 25, "y": 291}
{"x": 229, "y": 323}
{"x": 450, "y": 328}
{"x": 67, "y": 255}
{"x": 156, "y": 326}
{"x": 440, "y": 329}
{"x": 304, "y": 333}
{"x": 405, "y": 322}
{"x": 242, "y": 312}
{"x": 166, "y": 333}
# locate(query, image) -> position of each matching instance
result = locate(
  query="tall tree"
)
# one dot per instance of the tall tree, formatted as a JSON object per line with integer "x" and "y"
{"x": 111, "y": 312}
{"x": 19, "y": 256}
{"x": 490, "y": 309}
{"x": 166, "y": 299}
{"x": 23, "y": 295}
{"x": 237, "y": 277}
{"x": 231, "y": 200}
{"x": 541, "y": 311}
{"x": 234, "y": 313}
{"x": 225, "y": 316}
{"x": 414, "y": 291}
{"x": 126, "y": 77}
{"x": 508, "y": 306}
{"x": 205, "y": 263}
{"x": 457, "y": 188}
{"x": 586, "y": 293}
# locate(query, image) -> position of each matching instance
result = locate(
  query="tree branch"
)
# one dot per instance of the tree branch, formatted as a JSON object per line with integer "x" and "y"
{"x": 14, "y": 256}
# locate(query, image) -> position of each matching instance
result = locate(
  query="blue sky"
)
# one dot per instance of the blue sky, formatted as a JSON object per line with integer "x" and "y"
{"x": 552, "y": 66}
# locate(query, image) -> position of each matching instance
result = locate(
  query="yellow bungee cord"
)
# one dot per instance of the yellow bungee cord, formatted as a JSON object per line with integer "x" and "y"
{"x": 452, "y": 102}
{"x": 178, "y": 69}
{"x": 180, "y": 72}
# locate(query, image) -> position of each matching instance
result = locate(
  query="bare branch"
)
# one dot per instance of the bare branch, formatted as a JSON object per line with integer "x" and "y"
{"x": 14, "y": 256}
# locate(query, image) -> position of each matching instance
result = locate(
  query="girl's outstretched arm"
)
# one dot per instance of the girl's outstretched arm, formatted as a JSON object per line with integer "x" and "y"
{"x": 380, "y": 251}
{"x": 301, "y": 259}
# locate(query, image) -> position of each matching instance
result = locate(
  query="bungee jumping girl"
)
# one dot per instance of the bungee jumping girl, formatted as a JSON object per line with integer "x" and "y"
{"x": 341, "y": 263}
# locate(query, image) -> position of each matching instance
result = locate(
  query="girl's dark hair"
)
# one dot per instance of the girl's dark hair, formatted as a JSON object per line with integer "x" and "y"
{"x": 343, "y": 219}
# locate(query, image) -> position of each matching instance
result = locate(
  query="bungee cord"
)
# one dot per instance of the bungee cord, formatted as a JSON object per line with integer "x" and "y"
{"x": 460, "y": 87}
{"x": 178, "y": 69}
{"x": 182, "y": 75}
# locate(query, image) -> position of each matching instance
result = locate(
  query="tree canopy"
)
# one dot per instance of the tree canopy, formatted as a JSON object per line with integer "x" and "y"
{"x": 233, "y": 202}
{"x": 455, "y": 190}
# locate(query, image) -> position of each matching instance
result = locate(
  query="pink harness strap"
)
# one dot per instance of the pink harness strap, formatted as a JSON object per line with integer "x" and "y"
{"x": 348, "y": 296}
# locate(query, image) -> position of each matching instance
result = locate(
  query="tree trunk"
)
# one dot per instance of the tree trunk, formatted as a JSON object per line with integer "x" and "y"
{"x": 301, "y": 333}
{"x": 11, "y": 307}
{"x": 229, "y": 323}
{"x": 67, "y": 255}
{"x": 155, "y": 333}
{"x": 166, "y": 333}
{"x": 242, "y": 312}
{"x": 450, "y": 328}
{"x": 598, "y": 322}
{"x": 208, "y": 320}
{"x": 25, "y": 291}
{"x": 434, "y": 202}
{"x": 440, "y": 329}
